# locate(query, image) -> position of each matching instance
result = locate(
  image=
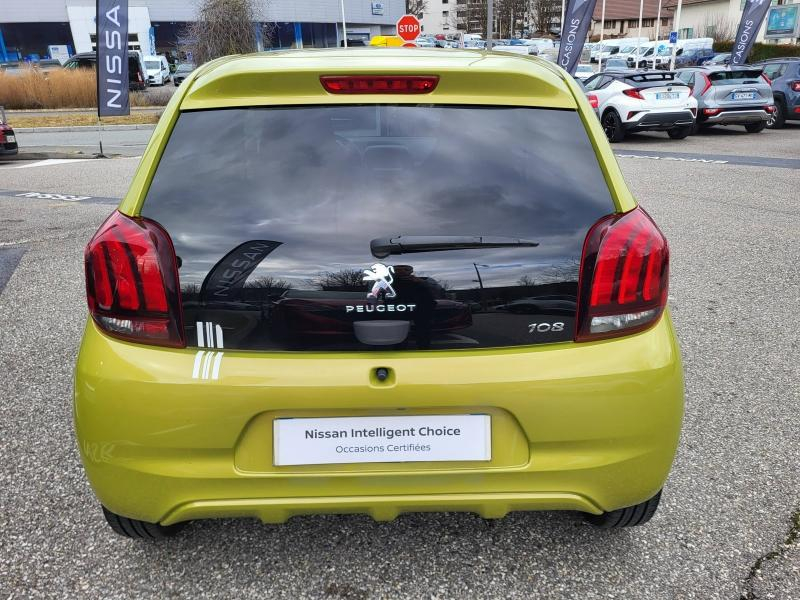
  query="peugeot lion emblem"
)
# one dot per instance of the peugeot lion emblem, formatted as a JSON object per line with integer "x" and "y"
{"x": 382, "y": 277}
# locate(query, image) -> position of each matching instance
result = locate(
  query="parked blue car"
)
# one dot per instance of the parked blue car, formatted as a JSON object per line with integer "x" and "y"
{"x": 692, "y": 57}
{"x": 784, "y": 76}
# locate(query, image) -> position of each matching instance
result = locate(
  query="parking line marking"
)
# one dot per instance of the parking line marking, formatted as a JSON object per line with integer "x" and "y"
{"x": 52, "y": 161}
{"x": 713, "y": 159}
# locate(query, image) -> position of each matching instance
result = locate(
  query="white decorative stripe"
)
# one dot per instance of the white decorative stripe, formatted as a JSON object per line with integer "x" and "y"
{"x": 197, "y": 359}
{"x": 219, "y": 337}
{"x": 217, "y": 363}
{"x": 200, "y": 340}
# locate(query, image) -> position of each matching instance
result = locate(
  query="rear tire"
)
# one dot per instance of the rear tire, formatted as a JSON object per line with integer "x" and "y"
{"x": 755, "y": 127}
{"x": 140, "y": 530}
{"x": 679, "y": 133}
{"x": 612, "y": 126}
{"x": 777, "y": 119}
{"x": 630, "y": 516}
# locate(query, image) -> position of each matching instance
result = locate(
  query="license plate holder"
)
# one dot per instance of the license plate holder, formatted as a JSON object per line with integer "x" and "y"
{"x": 382, "y": 439}
{"x": 667, "y": 95}
{"x": 744, "y": 95}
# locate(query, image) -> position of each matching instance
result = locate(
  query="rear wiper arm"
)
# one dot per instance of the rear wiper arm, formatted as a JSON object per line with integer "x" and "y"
{"x": 407, "y": 244}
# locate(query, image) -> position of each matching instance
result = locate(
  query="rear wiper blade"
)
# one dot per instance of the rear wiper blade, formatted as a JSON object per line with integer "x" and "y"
{"x": 407, "y": 244}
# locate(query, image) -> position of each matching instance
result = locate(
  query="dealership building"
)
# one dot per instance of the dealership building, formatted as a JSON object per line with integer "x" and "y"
{"x": 30, "y": 30}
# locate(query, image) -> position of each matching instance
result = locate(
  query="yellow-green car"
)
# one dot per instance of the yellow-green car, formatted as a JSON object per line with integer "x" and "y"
{"x": 380, "y": 281}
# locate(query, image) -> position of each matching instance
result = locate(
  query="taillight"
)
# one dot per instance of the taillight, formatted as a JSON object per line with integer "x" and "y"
{"x": 633, "y": 93}
{"x": 767, "y": 79}
{"x": 711, "y": 111}
{"x": 770, "y": 108}
{"x": 795, "y": 85}
{"x": 707, "y": 85}
{"x": 132, "y": 281}
{"x": 139, "y": 76}
{"x": 624, "y": 277}
{"x": 379, "y": 84}
{"x": 593, "y": 101}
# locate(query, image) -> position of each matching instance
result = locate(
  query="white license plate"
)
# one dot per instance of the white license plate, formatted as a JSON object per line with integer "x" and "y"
{"x": 11, "y": 139}
{"x": 667, "y": 95}
{"x": 418, "y": 438}
{"x": 744, "y": 95}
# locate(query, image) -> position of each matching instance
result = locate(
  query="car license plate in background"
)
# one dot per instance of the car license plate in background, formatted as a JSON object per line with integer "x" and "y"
{"x": 667, "y": 95}
{"x": 744, "y": 95}
{"x": 418, "y": 438}
{"x": 11, "y": 139}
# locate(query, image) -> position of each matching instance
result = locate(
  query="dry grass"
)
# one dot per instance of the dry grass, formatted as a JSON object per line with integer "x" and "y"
{"x": 32, "y": 88}
{"x": 81, "y": 119}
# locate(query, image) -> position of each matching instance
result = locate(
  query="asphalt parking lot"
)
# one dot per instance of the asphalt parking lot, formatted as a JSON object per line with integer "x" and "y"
{"x": 729, "y": 523}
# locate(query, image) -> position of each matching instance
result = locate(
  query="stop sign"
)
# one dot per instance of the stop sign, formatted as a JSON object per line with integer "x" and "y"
{"x": 408, "y": 27}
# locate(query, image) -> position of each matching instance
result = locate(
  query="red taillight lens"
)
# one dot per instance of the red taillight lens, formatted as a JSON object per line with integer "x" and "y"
{"x": 132, "y": 281}
{"x": 379, "y": 84}
{"x": 767, "y": 79}
{"x": 770, "y": 108}
{"x": 624, "y": 277}
{"x": 707, "y": 85}
{"x": 712, "y": 111}
{"x": 633, "y": 93}
{"x": 593, "y": 101}
{"x": 795, "y": 85}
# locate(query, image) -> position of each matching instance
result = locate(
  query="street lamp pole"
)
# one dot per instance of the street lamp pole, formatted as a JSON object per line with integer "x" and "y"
{"x": 344, "y": 25}
{"x": 676, "y": 27}
{"x": 489, "y": 28}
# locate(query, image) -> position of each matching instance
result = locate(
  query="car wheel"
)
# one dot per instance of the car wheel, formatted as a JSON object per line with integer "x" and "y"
{"x": 679, "y": 133}
{"x": 630, "y": 516}
{"x": 778, "y": 118}
{"x": 612, "y": 125}
{"x": 755, "y": 127}
{"x": 140, "y": 530}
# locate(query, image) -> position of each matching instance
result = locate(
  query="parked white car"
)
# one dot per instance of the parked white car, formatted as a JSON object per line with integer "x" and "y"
{"x": 629, "y": 101}
{"x": 517, "y": 47}
{"x": 583, "y": 71}
{"x": 157, "y": 69}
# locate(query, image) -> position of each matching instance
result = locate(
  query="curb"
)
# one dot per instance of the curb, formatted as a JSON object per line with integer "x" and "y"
{"x": 78, "y": 128}
{"x": 23, "y": 156}
{"x": 69, "y": 111}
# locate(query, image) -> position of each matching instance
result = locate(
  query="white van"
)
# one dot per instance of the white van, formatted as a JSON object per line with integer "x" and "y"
{"x": 157, "y": 69}
{"x": 611, "y": 48}
{"x": 629, "y": 51}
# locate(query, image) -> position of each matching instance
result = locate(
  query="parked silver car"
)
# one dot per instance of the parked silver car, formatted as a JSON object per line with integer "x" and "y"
{"x": 730, "y": 96}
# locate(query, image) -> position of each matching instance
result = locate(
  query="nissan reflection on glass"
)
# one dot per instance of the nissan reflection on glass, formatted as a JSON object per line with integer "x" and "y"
{"x": 374, "y": 226}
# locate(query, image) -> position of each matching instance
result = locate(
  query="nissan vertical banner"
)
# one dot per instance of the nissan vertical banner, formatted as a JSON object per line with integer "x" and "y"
{"x": 752, "y": 17}
{"x": 112, "y": 58}
{"x": 577, "y": 18}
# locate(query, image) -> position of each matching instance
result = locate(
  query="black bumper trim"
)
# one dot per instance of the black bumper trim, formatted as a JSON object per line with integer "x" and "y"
{"x": 661, "y": 121}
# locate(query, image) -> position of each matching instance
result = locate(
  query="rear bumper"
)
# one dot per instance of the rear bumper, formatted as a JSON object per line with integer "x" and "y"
{"x": 661, "y": 121}
{"x": 8, "y": 149}
{"x": 589, "y": 427}
{"x": 736, "y": 117}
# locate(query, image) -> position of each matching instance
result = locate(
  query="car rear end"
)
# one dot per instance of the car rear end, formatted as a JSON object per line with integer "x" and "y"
{"x": 316, "y": 317}
{"x": 733, "y": 96}
{"x": 657, "y": 101}
{"x": 8, "y": 140}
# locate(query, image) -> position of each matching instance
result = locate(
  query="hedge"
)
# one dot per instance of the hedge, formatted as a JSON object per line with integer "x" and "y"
{"x": 762, "y": 51}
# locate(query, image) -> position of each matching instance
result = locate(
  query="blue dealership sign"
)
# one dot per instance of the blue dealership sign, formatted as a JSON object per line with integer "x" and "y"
{"x": 673, "y": 37}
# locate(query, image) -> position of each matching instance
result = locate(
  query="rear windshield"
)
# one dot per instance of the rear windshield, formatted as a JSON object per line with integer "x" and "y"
{"x": 300, "y": 228}
{"x": 736, "y": 76}
{"x": 152, "y": 64}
